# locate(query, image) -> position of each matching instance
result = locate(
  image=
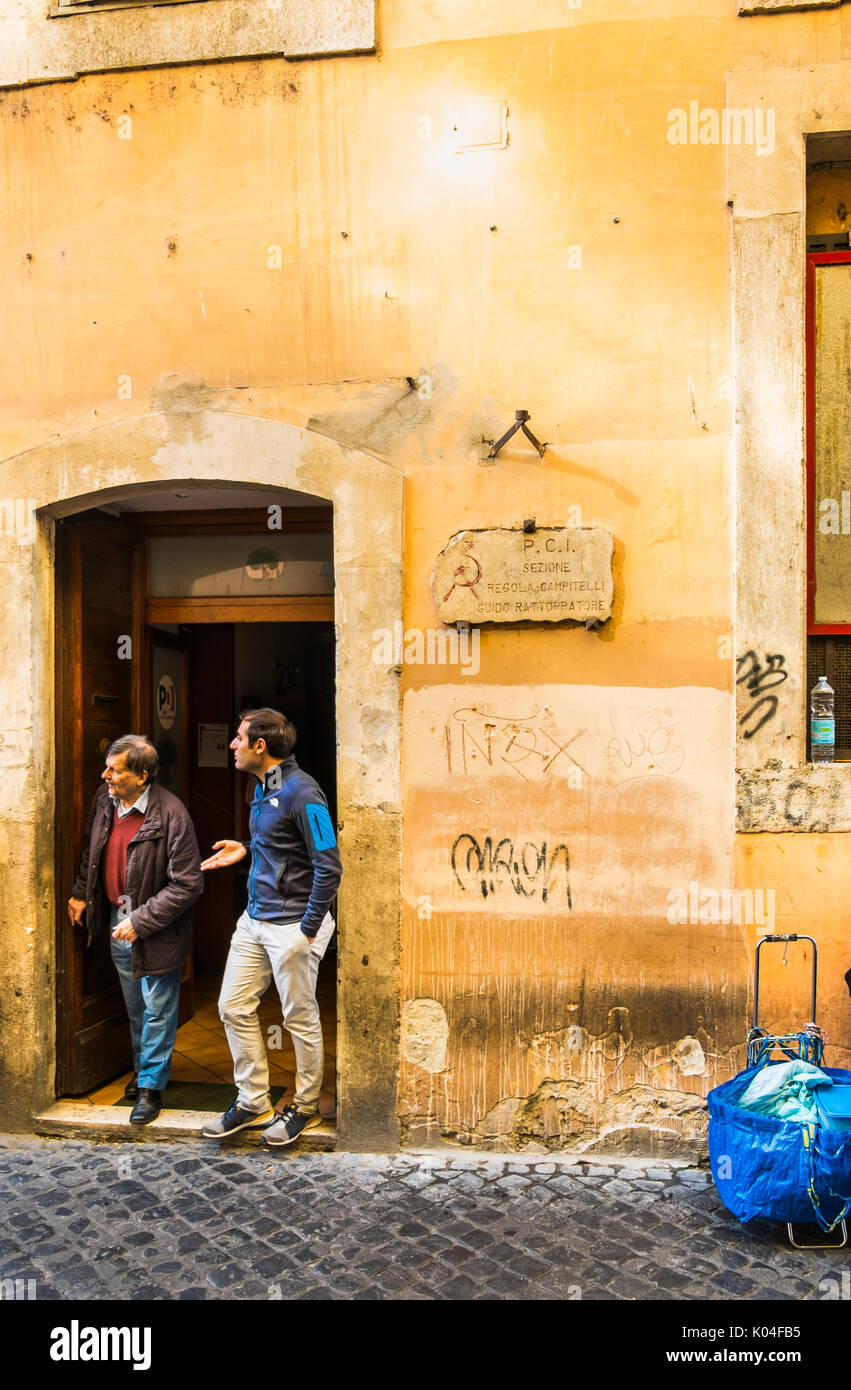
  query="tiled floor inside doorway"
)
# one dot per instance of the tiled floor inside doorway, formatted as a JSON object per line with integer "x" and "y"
{"x": 201, "y": 1052}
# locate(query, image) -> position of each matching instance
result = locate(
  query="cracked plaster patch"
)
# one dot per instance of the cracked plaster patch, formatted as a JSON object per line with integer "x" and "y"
{"x": 425, "y": 1029}
{"x": 567, "y": 1114}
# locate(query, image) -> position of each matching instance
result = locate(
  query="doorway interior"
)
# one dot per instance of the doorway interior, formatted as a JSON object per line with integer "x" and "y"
{"x": 222, "y": 614}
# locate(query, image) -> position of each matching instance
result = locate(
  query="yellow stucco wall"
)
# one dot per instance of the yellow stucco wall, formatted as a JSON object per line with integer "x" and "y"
{"x": 292, "y": 241}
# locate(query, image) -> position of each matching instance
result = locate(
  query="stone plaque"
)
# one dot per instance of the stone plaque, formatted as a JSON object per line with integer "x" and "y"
{"x": 554, "y": 574}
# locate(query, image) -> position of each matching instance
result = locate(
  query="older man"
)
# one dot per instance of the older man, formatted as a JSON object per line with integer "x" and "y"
{"x": 139, "y": 876}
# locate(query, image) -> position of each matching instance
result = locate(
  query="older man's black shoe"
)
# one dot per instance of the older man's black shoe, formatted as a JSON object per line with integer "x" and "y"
{"x": 131, "y": 1090}
{"x": 147, "y": 1107}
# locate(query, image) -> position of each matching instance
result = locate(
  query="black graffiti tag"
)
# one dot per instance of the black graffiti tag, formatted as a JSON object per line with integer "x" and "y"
{"x": 531, "y": 869}
{"x": 759, "y": 678}
{"x": 759, "y": 804}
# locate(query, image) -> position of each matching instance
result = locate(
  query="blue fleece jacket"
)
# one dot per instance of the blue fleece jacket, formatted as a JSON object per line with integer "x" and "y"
{"x": 295, "y": 862}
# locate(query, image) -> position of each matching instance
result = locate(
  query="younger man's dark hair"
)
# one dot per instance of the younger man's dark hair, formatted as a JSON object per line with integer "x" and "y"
{"x": 274, "y": 727}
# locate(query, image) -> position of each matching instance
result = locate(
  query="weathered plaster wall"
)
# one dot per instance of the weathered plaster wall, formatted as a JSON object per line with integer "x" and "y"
{"x": 301, "y": 243}
{"x": 27, "y": 1052}
{"x": 545, "y": 829}
{"x": 809, "y": 874}
{"x": 43, "y": 42}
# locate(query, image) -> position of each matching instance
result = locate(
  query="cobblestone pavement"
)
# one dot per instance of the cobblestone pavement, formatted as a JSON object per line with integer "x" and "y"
{"x": 187, "y": 1221}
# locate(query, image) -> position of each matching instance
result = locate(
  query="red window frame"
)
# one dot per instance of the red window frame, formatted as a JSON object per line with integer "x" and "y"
{"x": 815, "y": 258}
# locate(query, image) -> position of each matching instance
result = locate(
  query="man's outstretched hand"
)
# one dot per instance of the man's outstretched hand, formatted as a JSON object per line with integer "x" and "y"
{"x": 229, "y": 852}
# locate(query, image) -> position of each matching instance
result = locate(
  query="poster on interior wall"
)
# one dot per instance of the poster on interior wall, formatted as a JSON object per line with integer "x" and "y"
{"x": 170, "y": 721}
{"x": 213, "y": 745}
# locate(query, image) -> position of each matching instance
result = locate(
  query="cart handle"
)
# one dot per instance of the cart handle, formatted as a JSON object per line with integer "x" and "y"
{"x": 761, "y": 943}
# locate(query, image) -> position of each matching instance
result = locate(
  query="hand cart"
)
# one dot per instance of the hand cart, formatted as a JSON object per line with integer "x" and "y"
{"x": 771, "y": 1163}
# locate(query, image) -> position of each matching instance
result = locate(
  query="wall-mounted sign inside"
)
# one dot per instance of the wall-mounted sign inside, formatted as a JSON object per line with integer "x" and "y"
{"x": 553, "y": 574}
{"x": 166, "y": 701}
{"x": 213, "y": 742}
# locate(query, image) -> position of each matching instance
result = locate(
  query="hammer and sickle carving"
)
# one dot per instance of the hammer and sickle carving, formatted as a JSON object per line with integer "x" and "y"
{"x": 464, "y": 577}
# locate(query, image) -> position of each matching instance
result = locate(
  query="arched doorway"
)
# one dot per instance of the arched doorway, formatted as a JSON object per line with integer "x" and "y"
{"x": 204, "y": 449}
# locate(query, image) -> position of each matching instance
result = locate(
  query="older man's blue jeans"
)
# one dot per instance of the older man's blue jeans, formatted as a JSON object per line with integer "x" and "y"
{"x": 152, "y": 1005}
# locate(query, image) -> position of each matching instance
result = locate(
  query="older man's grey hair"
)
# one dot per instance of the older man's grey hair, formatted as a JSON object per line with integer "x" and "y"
{"x": 141, "y": 754}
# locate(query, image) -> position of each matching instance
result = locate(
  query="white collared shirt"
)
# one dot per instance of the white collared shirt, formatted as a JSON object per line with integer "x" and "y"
{"x": 141, "y": 804}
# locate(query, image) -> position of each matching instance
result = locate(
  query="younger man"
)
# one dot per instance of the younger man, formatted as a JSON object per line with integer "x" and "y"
{"x": 284, "y": 931}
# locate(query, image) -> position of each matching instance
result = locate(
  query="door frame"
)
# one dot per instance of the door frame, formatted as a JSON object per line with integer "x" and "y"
{"x": 290, "y": 608}
{"x": 68, "y": 760}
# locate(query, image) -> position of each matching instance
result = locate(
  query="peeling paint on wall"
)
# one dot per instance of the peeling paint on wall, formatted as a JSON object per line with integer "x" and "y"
{"x": 566, "y": 1115}
{"x": 686, "y": 1057}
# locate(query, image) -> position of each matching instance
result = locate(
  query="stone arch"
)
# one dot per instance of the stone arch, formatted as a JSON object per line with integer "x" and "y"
{"x": 209, "y": 447}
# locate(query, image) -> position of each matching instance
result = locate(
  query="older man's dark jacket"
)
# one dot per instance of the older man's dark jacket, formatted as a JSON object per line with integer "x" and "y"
{"x": 162, "y": 882}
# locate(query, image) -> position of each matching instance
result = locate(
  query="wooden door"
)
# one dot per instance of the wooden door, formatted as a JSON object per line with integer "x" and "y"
{"x": 100, "y": 591}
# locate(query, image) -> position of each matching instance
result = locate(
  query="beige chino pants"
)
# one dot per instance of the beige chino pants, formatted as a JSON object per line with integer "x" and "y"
{"x": 259, "y": 952}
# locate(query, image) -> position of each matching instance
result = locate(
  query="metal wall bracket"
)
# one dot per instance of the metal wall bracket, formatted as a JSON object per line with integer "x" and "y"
{"x": 520, "y": 418}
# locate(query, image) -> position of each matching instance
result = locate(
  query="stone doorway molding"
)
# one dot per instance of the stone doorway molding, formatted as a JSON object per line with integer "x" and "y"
{"x": 777, "y": 790}
{"x": 153, "y": 453}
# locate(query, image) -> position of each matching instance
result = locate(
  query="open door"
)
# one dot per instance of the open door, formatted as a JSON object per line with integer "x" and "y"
{"x": 100, "y": 589}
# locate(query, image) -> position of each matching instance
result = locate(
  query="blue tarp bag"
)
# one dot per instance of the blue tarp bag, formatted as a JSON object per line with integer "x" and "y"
{"x": 781, "y": 1170}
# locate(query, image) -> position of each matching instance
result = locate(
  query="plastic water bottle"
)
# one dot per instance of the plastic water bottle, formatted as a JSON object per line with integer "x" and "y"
{"x": 822, "y": 722}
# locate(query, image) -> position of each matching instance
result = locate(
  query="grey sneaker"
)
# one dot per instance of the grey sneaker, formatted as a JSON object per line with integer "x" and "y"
{"x": 235, "y": 1119}
{"x": 291, "y": 1124}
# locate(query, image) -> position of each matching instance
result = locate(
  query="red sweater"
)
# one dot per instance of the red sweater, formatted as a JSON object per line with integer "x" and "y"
{"x": 114, "y": 862}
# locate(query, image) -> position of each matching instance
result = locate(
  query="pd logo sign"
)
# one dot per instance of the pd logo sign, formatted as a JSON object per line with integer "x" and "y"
{"x": 166, "y": 701}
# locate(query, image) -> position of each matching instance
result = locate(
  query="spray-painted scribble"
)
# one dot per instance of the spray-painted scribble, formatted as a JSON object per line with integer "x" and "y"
{"x": 648, "y": 745}
{"x": 478, "y": 741}
{"x": 530, "y": 870}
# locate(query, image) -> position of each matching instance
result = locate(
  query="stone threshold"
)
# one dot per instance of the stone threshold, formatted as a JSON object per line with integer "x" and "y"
{"x": 74, "y": 1119}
